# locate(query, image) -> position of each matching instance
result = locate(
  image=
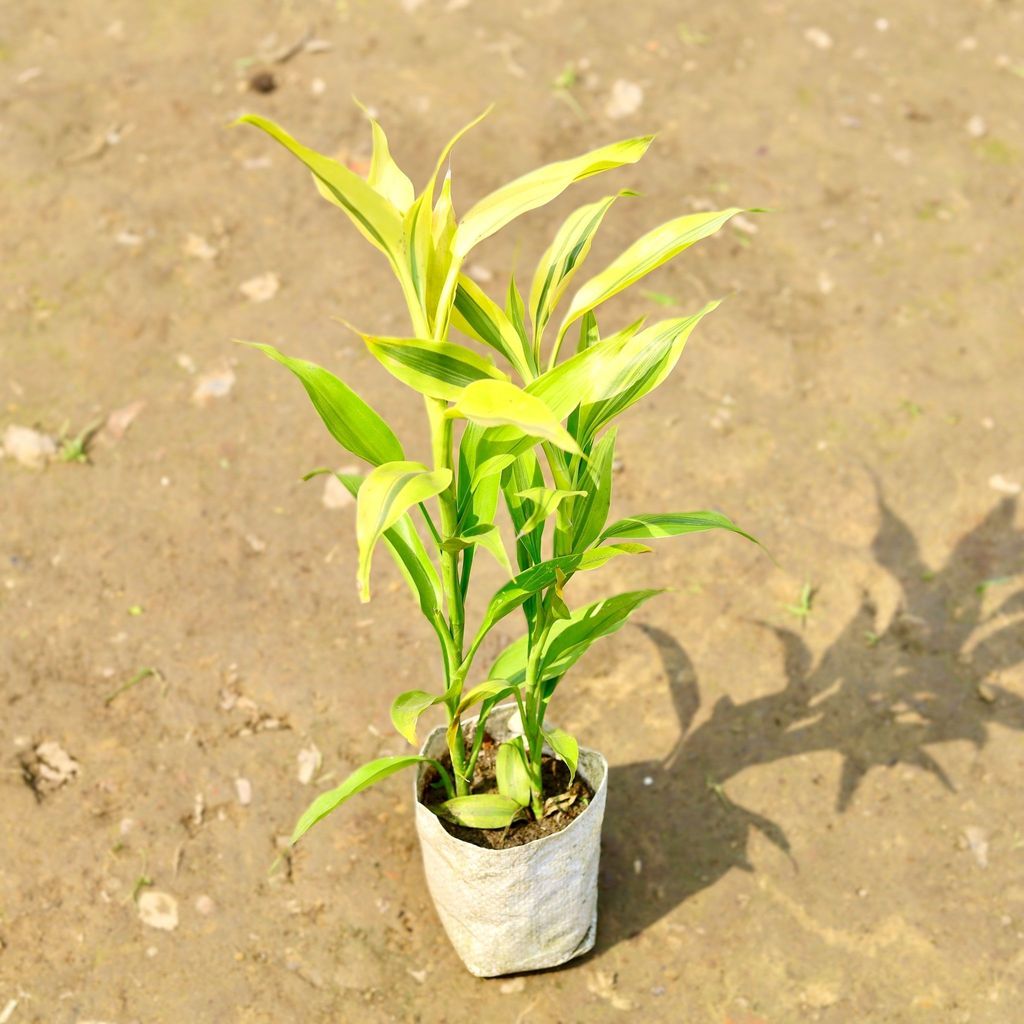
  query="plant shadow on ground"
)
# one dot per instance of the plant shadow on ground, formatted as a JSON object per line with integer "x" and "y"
{"x": 877, "y": 699}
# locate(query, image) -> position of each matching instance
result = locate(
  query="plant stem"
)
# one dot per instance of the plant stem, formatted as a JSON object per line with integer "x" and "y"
{"x": 534, "y": 711}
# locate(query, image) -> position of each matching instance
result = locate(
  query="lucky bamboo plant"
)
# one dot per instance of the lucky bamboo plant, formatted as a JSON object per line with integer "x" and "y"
{"x": 537, "y": 432}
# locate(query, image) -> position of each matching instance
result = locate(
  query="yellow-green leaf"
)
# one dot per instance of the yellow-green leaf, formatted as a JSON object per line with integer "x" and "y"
{"x": 493, "y": 403}
{"x": 406, "y": 711}
{"x": 511, "y": 773}
{"x": 538, "y": 187}
{"x": 563, "y": 257}
{"x": 375, "y": 216}
{"x": 437, "y": 369}
{"x": 566, "y": 747}
{"x": 351, "y": 422}
{"x": 385, "y": 176}
{"x": 492, "y": 689}
{"x": 482, "y": 810}
{"x": 648, "y": 253}
{"x": 388, "y": 492}
{"x": 545, "y": 501}
{"x": 477, "y": 315}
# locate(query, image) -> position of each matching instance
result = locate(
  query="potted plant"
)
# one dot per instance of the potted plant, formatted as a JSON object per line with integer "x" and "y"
{"x": 520, "y": 406}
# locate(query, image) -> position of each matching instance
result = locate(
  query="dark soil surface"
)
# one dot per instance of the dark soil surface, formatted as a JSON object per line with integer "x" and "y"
{"x": 814, "y": 814}
{"x": 575, "y": 793}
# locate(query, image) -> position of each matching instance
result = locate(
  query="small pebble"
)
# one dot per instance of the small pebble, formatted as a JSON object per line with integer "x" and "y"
{"x": 1000, "y": 483}
{"x": 626, "y": 98}
{"x": 205, "y": 905}
{"x": 648, "y": 780}
{"x": 243, "y": 789}
{"x": 977, "y": 842}
{"x": 976, "y": 127}
{"x": 336, "y": 494}
{"x": 262, "y": 81}
{"x": 309, "y": 761}
{"x": 825, "y": 283}
{"x": 27, "y": 446}
{"x": 882, "y": 24}
{"x": 215, "y": 384}
{"x": 158, "y": 910}
{"x": 818, "y": 37}
{"x": 420, "y": 976}
{"x": 988, "y": 423}
{"x": 199, "y": 248}
{"x": 317, "y": 87}
{"x": 261, "y": 288}
{"x": 512, "y": 987}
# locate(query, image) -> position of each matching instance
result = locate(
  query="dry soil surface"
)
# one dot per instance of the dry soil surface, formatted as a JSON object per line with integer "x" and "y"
{"x": 811, "y": 817}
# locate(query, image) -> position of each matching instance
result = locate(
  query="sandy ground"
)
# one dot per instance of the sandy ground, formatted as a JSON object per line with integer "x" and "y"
{"x": 834, "y": 828}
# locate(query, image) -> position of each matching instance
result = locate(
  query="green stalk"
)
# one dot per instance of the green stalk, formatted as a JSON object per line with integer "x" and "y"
{"x": 441, "y": 443}
{"x": 534, "y": 712}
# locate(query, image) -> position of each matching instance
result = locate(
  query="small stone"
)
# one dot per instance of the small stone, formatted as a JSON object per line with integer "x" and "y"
{"x": 1000, "y": 483}
{"x": 744, "y": 224}
{"x": 479, "y": 273}
{"x": 199, "y": 248}
{"x": 648, "y": 780}
{"x": 309, "y": 761}
{"x": 988, "y": 423}
{"x": 129, "y": 239}
{"x": 976, "y": 127}
{"x": 977, "y": 842}
{"x": 215, "y": 384}
{"x": 317, "y": 87}
{"x": 626, "y": 98}
{"x": 825, "y": 283}
{"x": 818, "y": 37}
{"x": 26, "y": 76}
{"x": 336, "y": 494}
{"x": 261, "y": 288}
{"x": 243, "y": 790}
{"x": 205, "y": 905}
{"x": 420, "y": 976}
{"x": 262, "y": 81}
{"x": 186, "y": 362}
{"x": 882, "y": 24}
{"x": 27, "y": 446}
{"x": 986, "y": 693}
{"x": 257, "y": 545}
{"x": 54, "y": 765}
{"x": 158, "y": 910}
{"x": 513, "y": 987}
{"x": 638, "y": 866}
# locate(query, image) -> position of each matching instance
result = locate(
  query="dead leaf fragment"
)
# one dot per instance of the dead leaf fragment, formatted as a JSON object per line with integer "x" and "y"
{"x": 121, "y": 419}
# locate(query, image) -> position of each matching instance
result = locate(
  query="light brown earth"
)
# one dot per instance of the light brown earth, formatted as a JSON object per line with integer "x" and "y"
{"x": 835, "y": 827}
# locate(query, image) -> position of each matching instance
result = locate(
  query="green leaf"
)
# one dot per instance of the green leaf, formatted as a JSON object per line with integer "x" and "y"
{"x": 545, "y": 574}
{"x": 406, "y": 711}
{"x": 511, "y": 662}
{"x": 563, "y": 258}
{"x": 489, "y": 467}
{"x": 491, "y": 690}
{"x": 546, "y": 501}
{"x": 482, "y": 810}
{"x": 646, "y": 254}
{"x": 385, "y": 176}
{"x": 566, "y": 747}
{"x": 352, "y": 423}
{"x": 594, "y": 476}
{"x": 388, "y": 492}
{"x": 443, "y": 226}
{"x": 407, "y": 550}
{"x": 672, "y": 524}
{"x": 362, "y": 778}
{"x": 589, "y": 334}
{"x": 480, "y": 317}
{"x": 488, "y": 536}
{"x": 376, "y": 217}
{"x": 538, "y": 187}
{"x": 516, "y": 312}
{"x": 418, "y": 228}
{"x": 635, "y": 369}
{"x": 492, "y": 403}
{"x": 570, "y": 639}
{"x": 512, "y": 775}
{"x": 437, "y": 369}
